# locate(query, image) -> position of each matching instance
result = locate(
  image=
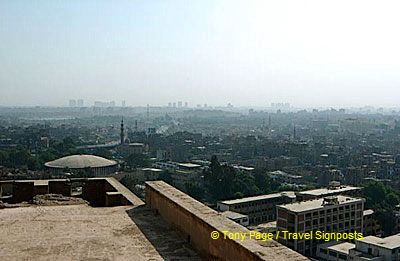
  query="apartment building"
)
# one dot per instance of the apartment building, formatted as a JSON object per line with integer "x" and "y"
{"x": 182, "y": 173}
{"x": 260, "y": 209}
{"x": 337, "y": 214}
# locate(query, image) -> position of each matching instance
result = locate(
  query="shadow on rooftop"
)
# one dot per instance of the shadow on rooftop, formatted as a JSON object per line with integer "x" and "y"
{"x": 165, "y": 239}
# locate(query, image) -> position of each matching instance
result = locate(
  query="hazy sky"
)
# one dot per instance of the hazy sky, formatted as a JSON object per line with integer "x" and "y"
{"x": 316, "y": 53}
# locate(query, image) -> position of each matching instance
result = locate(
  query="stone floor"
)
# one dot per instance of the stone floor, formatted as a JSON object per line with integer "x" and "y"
{"x": 81, "y": 232}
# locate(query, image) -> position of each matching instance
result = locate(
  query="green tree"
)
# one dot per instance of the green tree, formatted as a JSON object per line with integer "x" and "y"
{"x": 166, "y": 177}
{"x": 383, "y": 200}
{"x": 4, "y": 160}
{"x": 138, "y": 160}
{"x": 194, "y": 191}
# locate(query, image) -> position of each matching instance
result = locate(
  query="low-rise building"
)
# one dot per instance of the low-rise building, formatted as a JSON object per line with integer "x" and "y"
{"x": 283, "y": 177}
{"x": 334, "y": 251}
{"x": 370, "y": 248}
{"x": 237, "y": 217}
{"x": 182, "y": 173}
{"x": 260, "y": 209}
{"x": 375, "y": 248}
{"x": 146, "y": 174}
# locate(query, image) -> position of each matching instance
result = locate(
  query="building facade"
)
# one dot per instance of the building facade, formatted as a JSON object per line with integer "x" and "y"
{"x": 337, "y": 214}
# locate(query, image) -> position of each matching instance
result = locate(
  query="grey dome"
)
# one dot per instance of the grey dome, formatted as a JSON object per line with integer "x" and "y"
{"x": 80, "y": 162}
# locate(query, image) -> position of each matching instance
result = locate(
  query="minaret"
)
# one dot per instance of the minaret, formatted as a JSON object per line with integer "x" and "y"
{"x": 122, "y": 135}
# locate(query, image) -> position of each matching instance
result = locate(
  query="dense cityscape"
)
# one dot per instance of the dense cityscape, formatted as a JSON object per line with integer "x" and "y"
{"x": 262, "y": 168}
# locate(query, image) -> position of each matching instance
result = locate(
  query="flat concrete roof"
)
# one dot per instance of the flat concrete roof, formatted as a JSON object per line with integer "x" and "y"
{"x": 36, "y": 182}
{"x": 152, "y": 169}
{"x": 81, "y": 232}
{"x": 233, "y": 215}
{"x": 340, "y": 247}
{"x": 189, "y": 165}
{"x": 136, "y": 144}
{"x": 269, "y": 250}
{"x": 315, "y": 204}
{"x": 327, "y": 191}
{"x": 368, "y": 212}
{"x": 284, "y": 174}
{"x": 390, "y": 242}
{"x": 244, "y": 168}
{"x": 271, "y": 224}
{"x": 289, "y": 194}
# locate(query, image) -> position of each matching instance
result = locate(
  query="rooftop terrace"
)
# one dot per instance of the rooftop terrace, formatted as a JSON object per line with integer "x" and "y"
{"x": 329, "y": 191}
{"x": 289, "y": 194}
{"x": 316, "y": 204}
{"x": 81, "y": 232}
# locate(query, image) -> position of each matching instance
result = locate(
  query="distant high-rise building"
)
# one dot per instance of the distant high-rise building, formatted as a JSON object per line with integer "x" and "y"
{"x": 104, "y": 104}
{"x": 123, "y": 103}
{"x": 72, "y": 103}
{"x": 170, "y": 104}
{"x": 174, "y": 104}
{"x": 205, "y": 105}
{"x": 186, "y": 104}
{"x": 80, "y": 103}
{"x": 179, "y": 104}
{"x": 280, "y": 105}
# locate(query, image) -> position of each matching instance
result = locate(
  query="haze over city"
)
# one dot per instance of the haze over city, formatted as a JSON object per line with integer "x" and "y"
{"x": 199, "y": 130}
{"x": 248, "y": 53}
